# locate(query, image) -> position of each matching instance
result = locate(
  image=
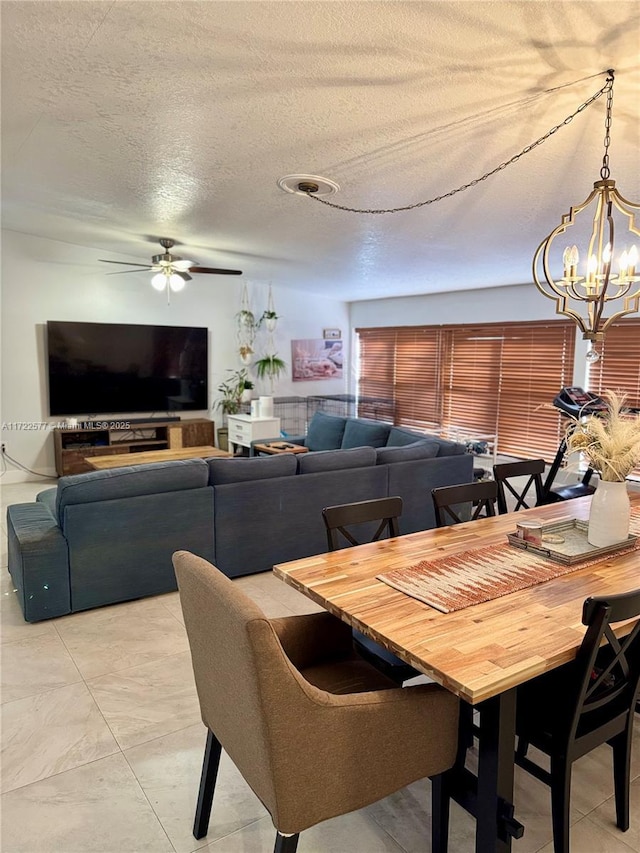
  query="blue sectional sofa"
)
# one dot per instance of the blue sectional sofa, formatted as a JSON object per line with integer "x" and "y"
{"x": 331, "y": 432}
{"x": 108, "y": 536}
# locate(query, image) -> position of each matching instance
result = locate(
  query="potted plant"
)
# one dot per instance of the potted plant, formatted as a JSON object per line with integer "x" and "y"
{"x": 270, "y": 367}
{"x": 610, "y": 441}
{"x": 269, "y": 318}
{"x": 246, "y": 319}
{"x": 231, "y": 391}
{"x": 246, "y": 390}
{"x": 246, "y": 352}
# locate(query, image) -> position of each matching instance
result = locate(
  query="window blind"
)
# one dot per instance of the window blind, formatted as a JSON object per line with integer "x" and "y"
{"x": 488, "y": 378}
{"x": 619, "y": 365}
{"x": 403, "y": 365}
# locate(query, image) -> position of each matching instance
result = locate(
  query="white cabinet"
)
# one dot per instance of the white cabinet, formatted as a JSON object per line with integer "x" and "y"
{"x": 243, "y": 429}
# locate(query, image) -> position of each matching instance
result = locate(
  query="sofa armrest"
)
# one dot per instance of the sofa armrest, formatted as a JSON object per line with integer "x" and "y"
{"x": 38, "y": 561}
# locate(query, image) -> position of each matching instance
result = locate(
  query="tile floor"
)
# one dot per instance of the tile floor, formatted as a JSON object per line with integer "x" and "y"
{"x": 102, "y": 746}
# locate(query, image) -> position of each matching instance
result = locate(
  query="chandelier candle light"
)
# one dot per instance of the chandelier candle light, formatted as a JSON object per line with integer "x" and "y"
{"x": 584, "y": 297}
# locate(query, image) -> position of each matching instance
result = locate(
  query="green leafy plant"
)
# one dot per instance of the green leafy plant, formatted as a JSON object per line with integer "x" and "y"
{"x": 270, "y": 367}
{"x": 247, "y": 319}
{"x": 268, "y": 315}
{"x": 231, "y": 391}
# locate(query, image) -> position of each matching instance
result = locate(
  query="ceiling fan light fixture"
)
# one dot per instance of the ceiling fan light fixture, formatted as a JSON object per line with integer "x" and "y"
{"x": 176, "y": 282}
{"x": 159, "y": 281}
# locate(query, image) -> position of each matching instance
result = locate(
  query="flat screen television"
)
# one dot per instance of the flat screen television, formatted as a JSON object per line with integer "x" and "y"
{"x": 111, "y": 368}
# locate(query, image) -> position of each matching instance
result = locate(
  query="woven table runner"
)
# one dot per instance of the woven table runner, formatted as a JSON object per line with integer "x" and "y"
{"x": 482, "y": 574}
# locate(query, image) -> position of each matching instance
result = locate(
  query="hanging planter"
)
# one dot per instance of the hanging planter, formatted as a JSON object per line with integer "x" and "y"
{"x": 269, "y": 316}
{"x": 270, "y": 320}
{"x": 246, "y": 327}
{"x": 246, "y": 319}
{"x": 246, "y": 354}
{"x": 270, "y": 367}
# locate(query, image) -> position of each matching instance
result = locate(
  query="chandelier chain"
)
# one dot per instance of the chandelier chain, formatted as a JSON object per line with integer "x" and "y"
{"x": 607, "y": 88}
{"x": 605, "y": 172}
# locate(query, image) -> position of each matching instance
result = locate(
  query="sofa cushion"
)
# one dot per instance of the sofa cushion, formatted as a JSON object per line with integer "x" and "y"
{"x": 222, "y": 471}
{"x": 360, "y": 432}
{"x": 325, "y": 432}
{"x": 408, "y": 453}
{"x": 335, "y": 460}
{"x": 398, "y": 437}
{"x": 129, "y": 482}
{"x": 450, "y": 448}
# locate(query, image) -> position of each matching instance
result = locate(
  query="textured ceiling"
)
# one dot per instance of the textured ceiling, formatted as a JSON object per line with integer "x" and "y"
{"x": 125, "y": 121}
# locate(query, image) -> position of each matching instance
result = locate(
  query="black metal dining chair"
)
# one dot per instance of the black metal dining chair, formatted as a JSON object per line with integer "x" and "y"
{"x": 503, "y": 474}
{"x": 577, "y": 707}
{"x": 356, "y": 524}
{"x": 447, "y": 501}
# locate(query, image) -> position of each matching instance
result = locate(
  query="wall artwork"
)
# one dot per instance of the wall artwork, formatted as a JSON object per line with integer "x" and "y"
{"x": 316, "y": 359}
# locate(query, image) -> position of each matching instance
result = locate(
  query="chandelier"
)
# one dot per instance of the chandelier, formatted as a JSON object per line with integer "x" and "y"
{"x": 580, "y": 291}
{"x": 604, "y": 275}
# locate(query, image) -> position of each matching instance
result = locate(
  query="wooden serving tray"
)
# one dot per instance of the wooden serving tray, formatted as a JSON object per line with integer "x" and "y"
{"x": 575, "y": 548}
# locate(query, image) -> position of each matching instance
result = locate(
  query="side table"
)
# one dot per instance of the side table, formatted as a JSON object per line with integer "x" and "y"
{"x": 274, "y": 447}
{"x": 243, "y": 429}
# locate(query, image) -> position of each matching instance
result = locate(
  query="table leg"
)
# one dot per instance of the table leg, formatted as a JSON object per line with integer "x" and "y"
{"x": 494, "y": 816}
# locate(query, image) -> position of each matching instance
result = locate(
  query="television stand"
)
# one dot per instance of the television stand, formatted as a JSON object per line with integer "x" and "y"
{"x": 73, "y": 447}
{"x": 152, "y": 420}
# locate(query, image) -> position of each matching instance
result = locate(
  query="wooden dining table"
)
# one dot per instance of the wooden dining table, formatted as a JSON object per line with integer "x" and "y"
{"x": 482, "y": 652}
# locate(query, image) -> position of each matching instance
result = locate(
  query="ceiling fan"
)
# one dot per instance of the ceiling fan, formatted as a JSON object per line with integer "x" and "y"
{"x": 171, "y": 271}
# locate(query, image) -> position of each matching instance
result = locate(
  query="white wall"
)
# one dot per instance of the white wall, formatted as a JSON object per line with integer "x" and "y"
{"x": 49, "y": 280}
{"x": 517, "y": 303}
{"x": 493, "y": 305}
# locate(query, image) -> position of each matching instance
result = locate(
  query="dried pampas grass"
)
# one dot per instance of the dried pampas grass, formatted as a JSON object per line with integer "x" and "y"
{"x": 610, "y": 441}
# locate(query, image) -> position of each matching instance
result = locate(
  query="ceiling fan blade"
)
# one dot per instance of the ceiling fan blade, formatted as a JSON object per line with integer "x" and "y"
{"x": 124, "y": 263}
{"x": 182, "y": 265}
{"x": 184, "y": 275}
{"x": 215, "y": 271}
{"x": 124, "y": 272}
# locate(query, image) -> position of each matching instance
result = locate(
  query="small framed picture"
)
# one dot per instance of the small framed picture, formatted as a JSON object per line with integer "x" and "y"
{"x": 331, "y": 334}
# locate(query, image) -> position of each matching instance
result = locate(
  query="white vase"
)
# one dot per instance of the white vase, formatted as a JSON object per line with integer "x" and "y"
{"x": 610, "y": 514}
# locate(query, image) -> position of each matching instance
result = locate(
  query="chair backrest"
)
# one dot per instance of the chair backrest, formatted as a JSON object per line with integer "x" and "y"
{"x": 482, "y": 497}
{"x": 530, "y": 468}
{"x": 608, "y": 668}
{"x": 243, "y": 678}
{"x": 339, "y": 518}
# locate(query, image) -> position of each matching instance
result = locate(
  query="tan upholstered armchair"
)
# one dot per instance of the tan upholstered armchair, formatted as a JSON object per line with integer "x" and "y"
{"x": 314, "y": 729}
